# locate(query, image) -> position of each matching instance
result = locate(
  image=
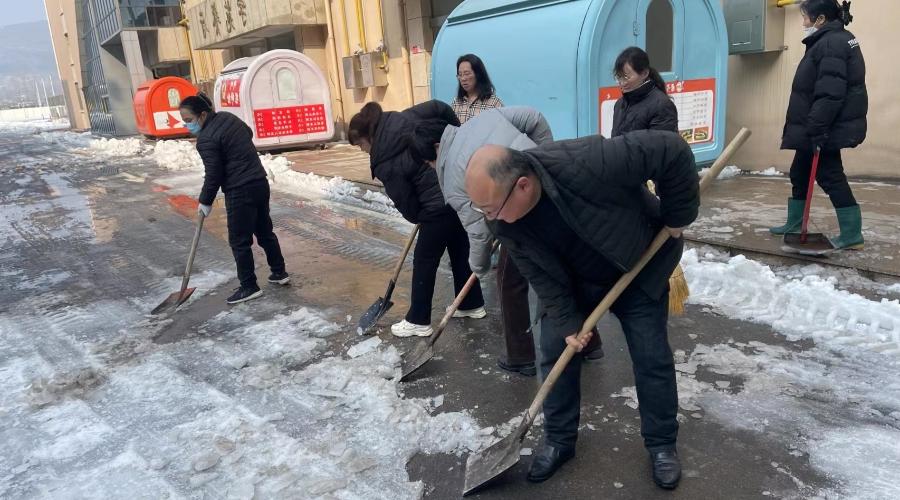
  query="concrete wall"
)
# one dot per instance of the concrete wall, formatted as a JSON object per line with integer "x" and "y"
{"x": 64, "y": 32}
{"x": 759, "y": 87}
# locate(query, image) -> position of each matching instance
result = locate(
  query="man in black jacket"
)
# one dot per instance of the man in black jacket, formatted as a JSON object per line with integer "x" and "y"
{"x": 575, "y": 215}
{"x": 225, "y": 144}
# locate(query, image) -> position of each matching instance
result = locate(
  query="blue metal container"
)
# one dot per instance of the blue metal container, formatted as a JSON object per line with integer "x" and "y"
{"x": 557, "y": 56}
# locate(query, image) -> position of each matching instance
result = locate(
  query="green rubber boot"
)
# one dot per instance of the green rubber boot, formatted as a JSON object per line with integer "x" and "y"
{"x": 794, "y": 218}
{"x": 850, "y": 222}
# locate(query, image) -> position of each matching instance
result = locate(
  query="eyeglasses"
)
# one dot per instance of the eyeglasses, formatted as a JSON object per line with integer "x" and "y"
{"x": 623, "y": 78}
{"x": 494, "y": 215}
{"x": 465, "y": 75}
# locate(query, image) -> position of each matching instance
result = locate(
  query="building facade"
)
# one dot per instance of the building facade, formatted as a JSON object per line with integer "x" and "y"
{"x": 64, "y": 34}
{"x": 124, "y": 43}
{"x": 760, "y": 84}
{"x": 390, "y": 39}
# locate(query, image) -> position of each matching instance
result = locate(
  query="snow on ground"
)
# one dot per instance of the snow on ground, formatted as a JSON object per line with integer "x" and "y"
{"x": 728, "y": 172}
{"x": 132, "y": 146}
{"x": 837, "y": 402}
{"x": 33, "y": 126}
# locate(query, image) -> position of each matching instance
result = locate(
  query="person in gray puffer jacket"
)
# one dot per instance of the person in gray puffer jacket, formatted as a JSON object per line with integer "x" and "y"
{"x": 448, "y": 149}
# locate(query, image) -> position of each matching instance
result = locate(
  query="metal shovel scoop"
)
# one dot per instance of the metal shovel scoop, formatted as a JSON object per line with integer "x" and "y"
{"x": 806, "y": 243}
{"x": 375, "y": 312}
{"x": 180, "y": 297}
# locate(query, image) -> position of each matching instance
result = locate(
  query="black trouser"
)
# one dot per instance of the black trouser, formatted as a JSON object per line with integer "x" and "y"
{"x": 830, "y": 176}
{"x": 444, "y": 233}
{"x": 643, "y": 321}
{"x": 247, "y": 208}
{"x": 514, "y": 312}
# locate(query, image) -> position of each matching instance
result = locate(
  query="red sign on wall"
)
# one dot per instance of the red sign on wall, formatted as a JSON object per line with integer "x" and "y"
{"x": 296, "y": 120}
{"x": 695, "y": 100}
{"x": 230, "y": 95}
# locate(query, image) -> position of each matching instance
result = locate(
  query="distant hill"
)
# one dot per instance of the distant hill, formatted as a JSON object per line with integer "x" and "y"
{"x": 26, "y": 49}
{"x": 26, "y": 53}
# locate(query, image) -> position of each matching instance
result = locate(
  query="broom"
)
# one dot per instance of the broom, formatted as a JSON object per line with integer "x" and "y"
{"x": 678, "y": 287}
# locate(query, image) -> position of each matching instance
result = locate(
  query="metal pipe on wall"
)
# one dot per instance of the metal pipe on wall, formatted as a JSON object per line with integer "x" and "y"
{"x": 361, "y": 26}
{"x": 335, "y": 67}
{"x": 404, "y": 52}
{"x": 346, "y": 32}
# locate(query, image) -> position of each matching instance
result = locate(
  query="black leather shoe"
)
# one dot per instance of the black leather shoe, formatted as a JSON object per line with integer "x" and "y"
{"x": 666, "y": 469}
{"x": 526, "y": 369}
{"x": 547, "y": 461}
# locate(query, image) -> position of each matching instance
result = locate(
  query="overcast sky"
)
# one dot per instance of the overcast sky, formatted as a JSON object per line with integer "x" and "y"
{"x": 22, "y": 11}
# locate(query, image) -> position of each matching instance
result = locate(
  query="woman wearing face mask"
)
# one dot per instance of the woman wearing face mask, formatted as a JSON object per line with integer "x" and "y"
{"x": 827, "y": 111}
{"x": 476, "y": 92}
{"x": 225, "y": 144}
{"x": 644, "y": 104}
{"x": 413, "y": 187}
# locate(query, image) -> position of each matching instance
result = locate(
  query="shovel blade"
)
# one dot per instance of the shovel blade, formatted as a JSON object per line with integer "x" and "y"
{"x": 414, "y": 359}
{"x": 368, "y": 320}
{"x": 494, "y": 460}
{"x": 816, "y": 244}
{"x": 173, "y": 301}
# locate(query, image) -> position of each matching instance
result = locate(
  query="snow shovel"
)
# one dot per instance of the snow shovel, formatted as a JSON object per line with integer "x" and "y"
{"x": 423, "y": 352}
{"x": 504, "y": 454}
{"x": 180, "y": 297}
{"x": 381, "y": 306}
{"x": 806, "y": 243}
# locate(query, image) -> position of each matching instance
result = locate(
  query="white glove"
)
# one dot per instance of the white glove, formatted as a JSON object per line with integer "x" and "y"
{"x": 204, "y": 210}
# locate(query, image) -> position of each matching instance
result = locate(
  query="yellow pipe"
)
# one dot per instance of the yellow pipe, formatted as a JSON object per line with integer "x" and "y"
{"x": 184, "y": 23}
{"x": 335, "y": 68}
{"x": 785, "y": 3}
{"x": 346, "y": 38}
{"x": 361, "y": 26}
{"x": 378, "y": 9}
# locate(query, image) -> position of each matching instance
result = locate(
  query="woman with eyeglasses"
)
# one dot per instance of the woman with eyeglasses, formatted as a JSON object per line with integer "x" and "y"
{"x": 413, "y": 187}
{"x": 644, "y": 104}
{"x": 475, "y": 92}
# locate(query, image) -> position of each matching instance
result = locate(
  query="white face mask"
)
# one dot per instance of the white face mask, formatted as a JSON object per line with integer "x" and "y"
{"x": 809, "y": 31}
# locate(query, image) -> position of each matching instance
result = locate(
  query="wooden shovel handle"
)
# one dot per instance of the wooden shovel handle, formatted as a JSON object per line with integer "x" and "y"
{"x": 409, "y": 242}
{"x": 190, "y": 261}
{"x": 457, "y": 301}
{"x": 626, "y": 280}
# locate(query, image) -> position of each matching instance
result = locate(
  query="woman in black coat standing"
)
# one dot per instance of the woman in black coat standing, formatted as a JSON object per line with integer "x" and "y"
{"x": 827, "y": 111}
{"x": 230, "y": 161}
{"x": 644, "y": 105}
{"x": 413, "y": 187}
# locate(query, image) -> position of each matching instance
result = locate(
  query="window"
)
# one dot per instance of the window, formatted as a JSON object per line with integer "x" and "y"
{"x": 660, "y": 34}
{"x": 287, "y": 85}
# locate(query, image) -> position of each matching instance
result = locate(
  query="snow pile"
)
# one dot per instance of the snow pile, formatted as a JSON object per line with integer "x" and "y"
{"x": 812, "y": 307}
{"x": 728, "y": 172}
{"x": 132, "y": 146}
{"x": 769, "y": 172}
{"x": 177, "y": 155}
{"x": 33, "y": 127}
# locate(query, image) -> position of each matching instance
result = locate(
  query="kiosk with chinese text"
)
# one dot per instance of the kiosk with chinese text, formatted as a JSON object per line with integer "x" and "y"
{"x": 281, "y": 94}
{"x": 558, "y": 56}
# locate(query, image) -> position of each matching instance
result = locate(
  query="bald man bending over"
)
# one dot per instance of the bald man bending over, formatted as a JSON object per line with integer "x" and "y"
{"x": 575, "y": 215}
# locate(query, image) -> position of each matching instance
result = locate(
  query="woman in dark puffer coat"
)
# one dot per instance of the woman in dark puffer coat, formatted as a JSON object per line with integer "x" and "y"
{"x": 644, "y": 105}
{"x": 827, "y": 110}
{"x": 413, "y": 187}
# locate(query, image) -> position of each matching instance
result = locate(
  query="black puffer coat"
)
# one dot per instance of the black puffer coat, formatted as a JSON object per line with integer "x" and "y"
{"x": 229, "y": 157}
{"x": 644, "y": 108}
{"x": 599, "y": 187}
{"x": 828, "y": 102}
{"x": 412, "y": 186}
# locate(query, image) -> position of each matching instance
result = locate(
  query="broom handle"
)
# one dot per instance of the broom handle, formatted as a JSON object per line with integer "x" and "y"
{"x": 626, "y": 280}
{"x": 809, "y": 194}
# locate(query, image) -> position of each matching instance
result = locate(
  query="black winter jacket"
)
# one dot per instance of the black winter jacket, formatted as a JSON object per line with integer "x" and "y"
{"x": 644, "y": 108}
{"x": 229, "y": 157}
{"x": 828, "y": 103}
{"x": 599, "y": 187}
{"x": 412, "y": 186}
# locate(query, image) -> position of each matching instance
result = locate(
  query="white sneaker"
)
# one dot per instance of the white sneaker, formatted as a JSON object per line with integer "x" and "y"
{"x": 407, "y": 329}
{"x": 471, "y": 313}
